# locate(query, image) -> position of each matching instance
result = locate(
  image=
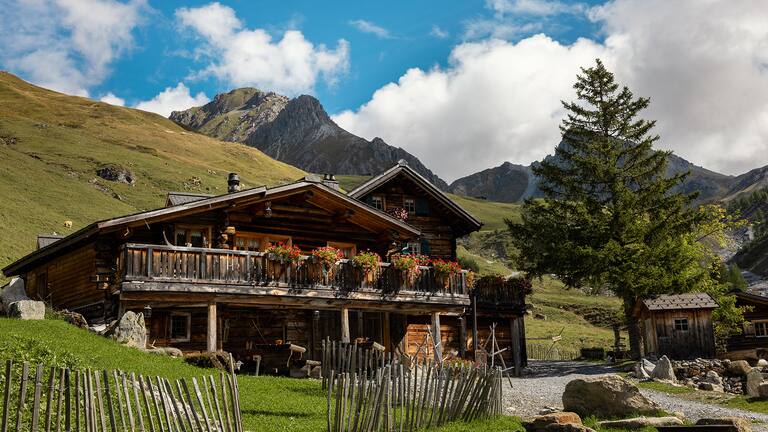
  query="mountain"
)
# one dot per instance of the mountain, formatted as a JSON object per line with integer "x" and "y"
{"x": 296, "y": 131}
{"x": 68, "y": 161}
{"x": 514, "y": 183}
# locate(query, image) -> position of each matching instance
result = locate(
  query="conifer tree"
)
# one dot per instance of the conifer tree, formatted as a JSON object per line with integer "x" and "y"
{"x": 610, "y": 217}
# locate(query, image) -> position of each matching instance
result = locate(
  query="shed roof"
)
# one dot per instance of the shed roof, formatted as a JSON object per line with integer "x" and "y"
{"x": 681, "y": 301}
{"x": 44, "y": 240}
{"x": 176, "y": 198}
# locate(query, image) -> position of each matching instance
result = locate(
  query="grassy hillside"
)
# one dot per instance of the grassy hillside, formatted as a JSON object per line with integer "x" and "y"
{"x": 267, "y": 403}
{"x": 52, "y": 144}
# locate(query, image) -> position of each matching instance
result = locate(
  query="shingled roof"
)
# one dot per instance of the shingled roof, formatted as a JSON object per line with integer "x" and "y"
{"x": 178, "y": 198}
{"x": 681, "y": 301}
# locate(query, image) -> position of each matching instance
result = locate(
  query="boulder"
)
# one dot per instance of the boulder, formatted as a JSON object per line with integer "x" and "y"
{"x": 567, "y": 427}
{"x": 556, "y": 421}
{"x": 739, "y": 368}
{"x": 316, "y": 373}
{"x": 169, "y": 351}
{"x": 712, "y": 377}
{"x": 762, "y": 363}
{"x": 129, "y": 330}
{"x": 74, "y": 318}
{"x": 27, "y": 310}
{"x": 640, "y": 372}
{"x": 217, "y": 360}
{"x": 640, "y": 422}
{"x": 116, "y": 173}
{"x": 605, "y": 396}
{"x": 711, "y": 387}
{"x": 647, "y": 365}
{"x": 736, "y": 423}
{"x": 664, "y": 371}
{"x": 754, "y": 380}
{"x": 762, "y": 390}
{"x": 12, "y": 292}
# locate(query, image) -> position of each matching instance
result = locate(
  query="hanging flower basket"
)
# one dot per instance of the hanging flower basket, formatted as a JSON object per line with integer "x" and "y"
{"x": 280, "y": 257}
{"x": 327, "y": 257}
{"x": 445, "y": 270}
{"x": 398, "y": 213}
{"x": 408, "y": 266}
{"x": 368, "y": 262}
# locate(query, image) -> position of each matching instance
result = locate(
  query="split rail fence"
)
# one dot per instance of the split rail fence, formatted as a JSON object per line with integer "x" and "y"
{"x": 60, "y": 399}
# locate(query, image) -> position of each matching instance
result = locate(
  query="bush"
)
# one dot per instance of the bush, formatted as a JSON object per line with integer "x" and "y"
{"x": 468, "y": 263}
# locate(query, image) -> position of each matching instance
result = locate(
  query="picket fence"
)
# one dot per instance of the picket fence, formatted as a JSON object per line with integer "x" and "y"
{"x": 56, "y": 399}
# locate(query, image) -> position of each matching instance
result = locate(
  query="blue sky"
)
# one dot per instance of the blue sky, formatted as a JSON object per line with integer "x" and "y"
{"x": 463, "y": 85}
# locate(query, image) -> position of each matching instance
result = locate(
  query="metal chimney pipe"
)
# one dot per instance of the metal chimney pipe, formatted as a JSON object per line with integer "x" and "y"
{"x": 233, "y": 183}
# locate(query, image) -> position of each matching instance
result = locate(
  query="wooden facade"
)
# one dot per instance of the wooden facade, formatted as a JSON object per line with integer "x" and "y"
{"x": 752, "y": 342}
{"x": 199, "y": 271}
{"x": 678, "y": 326}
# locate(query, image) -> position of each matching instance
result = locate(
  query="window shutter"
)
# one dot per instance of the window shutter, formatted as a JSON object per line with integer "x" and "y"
{"x": 424, "y": 247}
{"x": 422, "y": 206}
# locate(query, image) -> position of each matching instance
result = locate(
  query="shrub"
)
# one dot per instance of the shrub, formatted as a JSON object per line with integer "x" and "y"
{"x": 468, "y": 263}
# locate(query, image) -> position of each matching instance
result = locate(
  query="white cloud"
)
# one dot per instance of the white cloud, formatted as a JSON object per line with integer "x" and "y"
{"x": 243, "y": 57}
{"x": 111, "y": 99}
{"x": 173, "y": 99}
{"x": 703, "y": 64}
{"x": 535, "y": 7}
{"x": 371, "y": 28}
{"x": 438, "y": 32}
{"x": 66, "y": 45}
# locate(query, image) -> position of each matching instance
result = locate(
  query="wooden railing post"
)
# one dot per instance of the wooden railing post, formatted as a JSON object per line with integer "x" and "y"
{"x": 345, "y": 325}
{"x": 150, "y": 251}
{"x": 211, "y": 337}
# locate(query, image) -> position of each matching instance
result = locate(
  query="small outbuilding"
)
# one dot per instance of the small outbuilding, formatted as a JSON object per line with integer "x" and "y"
{"x": 752, "y": 342}
{"x": 678, "y": 326}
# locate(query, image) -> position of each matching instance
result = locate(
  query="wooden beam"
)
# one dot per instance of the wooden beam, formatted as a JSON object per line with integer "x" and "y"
{"x": 462, "y": 337}
{"x": 360, "y": 329}
{"x": 438, "y": 340}
{"x": 474, "y": 324}
{"x": 211, "y": 338}
{"x": 387, "y": 335}
{"x": 517, "y": 359}
{"x": 345, "y": 325}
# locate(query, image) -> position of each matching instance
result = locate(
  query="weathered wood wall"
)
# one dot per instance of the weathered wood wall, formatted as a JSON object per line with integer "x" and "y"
{"x": 697, "y": 341}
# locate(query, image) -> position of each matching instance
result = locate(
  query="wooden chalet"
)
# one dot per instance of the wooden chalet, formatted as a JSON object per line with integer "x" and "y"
{"x": 752, "y": 342}
{"x": 198, "y": 270}
{"x": 678, "y": 326}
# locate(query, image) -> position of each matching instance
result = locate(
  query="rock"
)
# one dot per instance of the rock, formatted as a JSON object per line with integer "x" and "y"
{"x": 540, "y": 316}
{"x": 762, "y": 391}
{"x": 27, "y": 310}
{"x": 739, "y": 368}
{"x": 553, "y": 422}
{"x": 217, "y": 360}
{"x": 567, "y": 427}
{"x": 12, "y": 292}
{"x": 316, "y": 372}
{"x": 640, "y": 372}
{"x": 549, "y": 410}
{"x": 605, "y": 396}
{"x": 116, "y": 173}
{"x": 169, "y": 351}
{"x": 712, "y": 377}
{"x": 711, "y": 387}
{"x": 754, "y": 379}
{"x": 74, "y": 318}
{"x": 648, "y": 366}
{"x": 762, "y": 363}
{"x": 129, "y": 330}
{"x": 640, "y": 422}
{"x": 738, "y": 424}
{"x": 664, "y": 371}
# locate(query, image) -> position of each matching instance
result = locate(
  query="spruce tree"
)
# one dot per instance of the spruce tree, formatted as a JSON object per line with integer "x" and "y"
{"x": 610, "y": 217}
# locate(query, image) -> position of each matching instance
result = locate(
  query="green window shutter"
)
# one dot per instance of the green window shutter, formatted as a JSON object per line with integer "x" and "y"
{"x": 424, "y": 247}
{"x": 422, "y": 206}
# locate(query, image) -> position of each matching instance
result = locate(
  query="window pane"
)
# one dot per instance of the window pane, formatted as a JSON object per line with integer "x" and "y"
{"x": 179, "y": 326}
{"x": 181, "y": 238}
{"x": 196, "y": 238}
{"x": 410, "y": 205}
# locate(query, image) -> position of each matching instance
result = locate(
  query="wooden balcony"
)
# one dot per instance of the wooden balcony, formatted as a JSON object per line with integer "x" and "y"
{"x": 161, "y": 268}
{"x": 494, "y": 293}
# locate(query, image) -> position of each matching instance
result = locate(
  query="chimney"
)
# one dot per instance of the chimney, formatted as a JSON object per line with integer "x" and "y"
{"x": 233, "y": 183}
{"x": 330, "y": 181}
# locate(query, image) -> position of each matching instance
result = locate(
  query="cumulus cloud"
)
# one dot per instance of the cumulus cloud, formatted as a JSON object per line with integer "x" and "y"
{"x": 66, "y": 45}
{"x": 517, "y": 18}
{"x": 173, "y": 99}
{"x": 111, "y": 99}
{"x": 370, "y": 28}
{"x": 703, "y": 64}
{"x": 244, "y": 57}
{"x": 535, "y": 7}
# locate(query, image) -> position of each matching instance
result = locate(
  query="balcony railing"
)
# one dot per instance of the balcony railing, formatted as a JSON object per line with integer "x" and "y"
{"x": 160, "y": 263}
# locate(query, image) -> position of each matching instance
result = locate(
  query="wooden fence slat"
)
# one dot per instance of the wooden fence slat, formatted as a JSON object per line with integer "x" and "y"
{"x": 110, "y": 407}
{"x": 22, "y": 396}
{"x": 49, "y": 399}
{"x": 175, "y": 407}
{"x": 127, "y": 400}
{"x": 100, "y": 401}
{"x": 7, "y": 395}
{"x": 119, "y": 391}
{"x": 199, "y": 396}
{"x": 139, "y": 415}
{"x": 156, "y": 405}
{"x": 164, "y": 404}
{"x": 185, "y": 406}
{"x": 147, "y": 408}
{"x": 215, "y": 396}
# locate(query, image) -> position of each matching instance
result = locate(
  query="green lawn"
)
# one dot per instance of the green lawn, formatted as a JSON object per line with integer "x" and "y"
{"x": 267, "y": 403}
{"x": 728, "y": 400}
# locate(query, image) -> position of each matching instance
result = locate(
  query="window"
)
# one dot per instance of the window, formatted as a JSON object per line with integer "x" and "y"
{"x": 192, "y": 236}
{"x": 413, "y": 248}
{"x": 377, "y": 202}
{"x": 348, "y": 249}
{"x": 409, "y": 204}
{"x": 761, "y": 328}
{"x": 681, "y": 324}
{"x": 180, "y": 326}
{"x": 257, "y": 242}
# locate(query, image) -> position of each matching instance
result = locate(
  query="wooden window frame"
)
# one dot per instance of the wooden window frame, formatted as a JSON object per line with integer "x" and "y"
{"x": 191, "y": 227}
{"x": 383, "y": 202}
{"x": 188, "y": 316}
{"x": 761, "y": 323}
{"x": 343, "y": 245}
{"x": 267, "y": 239}
{"x": 412, "y": 201}
{"x": 683, "y": 321}
{"x": 417, "y": 250}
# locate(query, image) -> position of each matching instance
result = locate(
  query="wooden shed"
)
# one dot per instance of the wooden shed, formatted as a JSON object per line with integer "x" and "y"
{"x": 752, "y": 342}
{"x": 678, "y": 326}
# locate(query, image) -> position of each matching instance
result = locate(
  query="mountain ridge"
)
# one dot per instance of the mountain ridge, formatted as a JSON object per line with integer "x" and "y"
{"x": 296, "y": 131}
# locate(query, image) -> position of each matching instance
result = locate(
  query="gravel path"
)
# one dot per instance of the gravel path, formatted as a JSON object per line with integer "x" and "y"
{"x": 544, "y": 387}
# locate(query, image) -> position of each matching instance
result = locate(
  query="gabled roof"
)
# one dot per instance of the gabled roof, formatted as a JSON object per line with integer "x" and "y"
{"x": 751, "y": 298}
{"x": 360, "y": 212}
{"x": 44, "y": 240}
{"x": 403, "y": 168}
{"x": 176, "y": 198}
{"x": 681, "y": 302}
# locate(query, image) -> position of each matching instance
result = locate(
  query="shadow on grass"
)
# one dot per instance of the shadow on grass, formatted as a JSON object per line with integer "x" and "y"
{"x": 276, "y": 413}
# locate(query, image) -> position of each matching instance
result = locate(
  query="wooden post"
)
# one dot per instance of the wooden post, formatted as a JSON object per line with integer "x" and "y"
{"x": 344, "y": 325}
{"x": 438, "y": 341}
{"x": 211, "y": 327}
{"x": 474, "y": 324}
{"x": 386, "y": 332}
{"x": 462, "y": 337}
{"x": 516, "y": 351}
{"x": 360, "y": 328}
